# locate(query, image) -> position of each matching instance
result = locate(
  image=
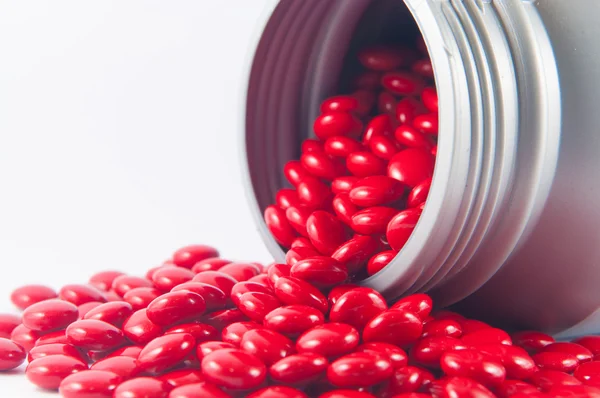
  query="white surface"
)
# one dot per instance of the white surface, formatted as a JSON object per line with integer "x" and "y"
{"x": 118, "y": 129}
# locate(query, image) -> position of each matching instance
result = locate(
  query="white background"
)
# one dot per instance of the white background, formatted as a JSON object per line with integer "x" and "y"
{"x": 119, "y": 127}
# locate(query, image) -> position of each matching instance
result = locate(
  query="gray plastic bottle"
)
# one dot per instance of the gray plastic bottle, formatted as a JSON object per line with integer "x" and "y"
{"x": 511, "y": 230}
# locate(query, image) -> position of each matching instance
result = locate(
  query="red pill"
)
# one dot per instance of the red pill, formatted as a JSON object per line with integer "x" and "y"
{"x": 341, "y": 147}
{"x": 255, "y": 305}
{"x": 386, "y": 103}
{"x": 423, "y": 67}
{"x": 395, "y": 327}
{"x": 83, "y": 309}
{"x": 357, "y": 307}
{"x": 276, "y": 271}
{"x": 380, "y": 125}
{"x": 582, "y": 353}
{"x": 182, "y": 377}
{"x": 296, "y": 254}
{"x": 320, "y": 271}
{"x": 90, "y": 384}
{"x": 354, "y": 253}
{"x": 174, "y": 307}
{"x": 91, "y": 334}
{"x": 313, "y": 193}
{"x": 407, "y": 109}
{"x": 471, "y": 325}
{"x": 124, "y": 283}
{"x": 376, "y": 191}
{"x": 293, "y": 319}
{"x": 562, "y": 361}
{"x": 343, "y": 184}
{"x": 359, "y": 369}
{"x": 54, "y": 349}
{"x": 8, "y": 323}
{"x": 11, "y": 354}
{"x": 278, "y": 392}
{"x": 592, "y": 343}
{"x": 165, "y": 352}
{"x": 419, "y": 193}
{"x": 207, "y": 347}
{"x": 210, "y": 264}
{"x": 200, "y": 331}
{"x": 531, "y": 340}
{"x": 189, "y": 255}
{"x": 516, "y": 361}
{"x": 217, "y": 279}
{"x": 124, "y": 366}
{"x": 267, "y": 345}
{"x": 214, "y": 297}
{"x": 284, "y": 198}
{"x": 379, "y": 261}
{"x": 419, "y": 304}
{"x": 510, "y": 387}
{"x": 364, "y": 164}
{"x": 49, "y": 315}
{"x": 113, "y": 313}
{"x": 141, "y": 297}
{"x": 427, "y": 123}
{"x": 442, "y": 327}
{"x": 455, "y": 387}
{"x": 588, "y": 373}
{"x": 332, "y": 124}
{"x": 244, "y": 287}
{"x": 384, "y": 147}
{"x": 401, "y": 227}
{"x": 198, "y": 390}
{"x": 340, "y": 103}
{"x": 104, "y": 280}
{"x": 428, "y": 351}
{"x": 167, "y": 278}
{"x": 411, "y": 166}
{"x": 319, "y": 164}
{"x": 291, "y": 291}
{"x": 295, "y": 173}
{"x": 409, "y": 379}
{"x": 329, "y": 340}
{"x": 139, "y": 329}
{"x": 451, "y": 315}
{"x": 25, "y": 296}
{"x": 430, "y": 99}
{"x": 234, "y": 332}
{"x": 367, "y": 80}
{"x": 325, "y": 231}
{"x": 344, "y": 208}
{"x": 298, "y": 368}
{"x": 473, "y": 364}
{"x": 48, "y": 372}
{"x": 408, "y": 136}
{"x": 262, "y": 279}
{"x": 546, "y": 379}
{"x": 233, "y": 369}
{"x": 279, "y": 226}
{"x": 396, "y": 355}
{"x": 311, "y": 146}
{"x": 402, "y": 83}
{"x": 372, "y": 220}
{"x": 143, "y": 387}
{"x": 382, "y": 58}
{"x": 81, "y": 294}
{"x": 58, "y": 337}
{"x": 297, "y": 218}
{"x": 241, "y": 271}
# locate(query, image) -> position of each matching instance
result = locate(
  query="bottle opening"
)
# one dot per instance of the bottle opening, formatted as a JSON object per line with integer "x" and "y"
{"x": 341, "y": 133}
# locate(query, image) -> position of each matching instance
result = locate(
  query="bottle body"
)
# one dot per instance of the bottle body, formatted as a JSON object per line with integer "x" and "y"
{"x": 500, "y": 224}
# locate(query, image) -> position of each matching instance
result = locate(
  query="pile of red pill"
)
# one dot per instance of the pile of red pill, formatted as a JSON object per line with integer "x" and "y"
{"x": 360, "y": 187}
{"x": 200, "y": 326}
